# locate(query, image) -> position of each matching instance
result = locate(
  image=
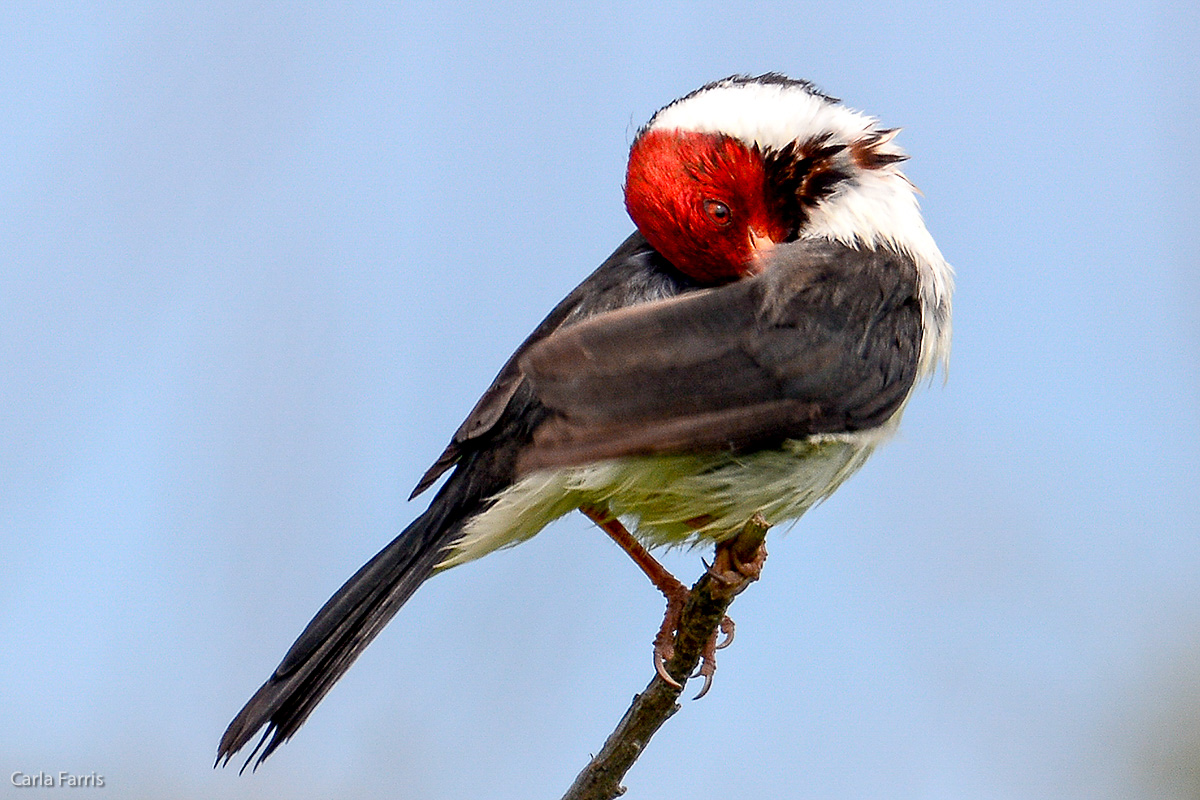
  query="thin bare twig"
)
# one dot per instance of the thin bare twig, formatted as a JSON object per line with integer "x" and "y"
{"x": 705, "y": 608}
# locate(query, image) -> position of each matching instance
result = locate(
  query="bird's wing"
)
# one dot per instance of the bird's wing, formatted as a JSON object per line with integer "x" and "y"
{"x": 825, "y": 340}
{"x": 634, "y": 273}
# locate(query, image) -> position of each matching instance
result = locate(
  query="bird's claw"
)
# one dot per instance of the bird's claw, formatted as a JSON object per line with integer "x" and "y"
{"x": 708, "y": 658}
{"x": 727, "y": 628}
{"x": 664, "y": 641}
{"x": 660, "y": 667}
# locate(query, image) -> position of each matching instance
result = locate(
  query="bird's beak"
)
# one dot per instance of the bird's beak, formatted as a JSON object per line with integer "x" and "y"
{"x": 761, "y": 246}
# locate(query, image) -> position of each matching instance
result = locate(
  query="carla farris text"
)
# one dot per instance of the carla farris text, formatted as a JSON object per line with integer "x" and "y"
{"x": 48, "y": 780}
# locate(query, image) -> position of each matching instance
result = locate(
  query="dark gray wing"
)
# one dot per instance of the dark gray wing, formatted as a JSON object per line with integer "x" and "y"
{"x": 825, "y": 340}
{"x": 485, "y": 450}
{"x": 634, "y": 273}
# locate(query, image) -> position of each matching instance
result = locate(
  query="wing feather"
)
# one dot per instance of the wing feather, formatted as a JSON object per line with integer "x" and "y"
{"x": 825, "y": 340}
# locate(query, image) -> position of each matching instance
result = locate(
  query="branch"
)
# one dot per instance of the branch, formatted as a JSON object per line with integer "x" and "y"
{"x": 735, "y": 566}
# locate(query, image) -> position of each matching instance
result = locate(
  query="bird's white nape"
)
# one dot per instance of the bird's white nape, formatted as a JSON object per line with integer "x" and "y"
{"x": 767, "y": 113}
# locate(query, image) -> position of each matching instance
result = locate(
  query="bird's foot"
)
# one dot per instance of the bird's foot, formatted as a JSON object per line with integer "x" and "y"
{"x": 737, "y": 563}
{"x": 708, "y": 656}
{"x": 736, "y": 566}
{"x": 664, "y": 644}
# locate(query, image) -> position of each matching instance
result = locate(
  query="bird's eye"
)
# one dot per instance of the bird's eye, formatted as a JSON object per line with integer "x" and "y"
{"x": 718, "y": 212}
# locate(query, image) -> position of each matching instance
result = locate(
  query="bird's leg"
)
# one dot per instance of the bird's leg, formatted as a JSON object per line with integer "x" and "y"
{"x": 675, "y": 592}
{"x": 662, "y": 579}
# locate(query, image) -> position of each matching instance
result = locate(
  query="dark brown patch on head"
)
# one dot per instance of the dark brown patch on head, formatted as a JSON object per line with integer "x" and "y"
{"x": 800, "y": 175}
{"x": 868, "y": 153}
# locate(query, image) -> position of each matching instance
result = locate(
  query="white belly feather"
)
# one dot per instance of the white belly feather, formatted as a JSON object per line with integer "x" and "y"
{"x": 678, "y": 499}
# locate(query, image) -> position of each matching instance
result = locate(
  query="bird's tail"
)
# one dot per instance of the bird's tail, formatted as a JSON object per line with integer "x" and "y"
{"x": 345, "y": 625}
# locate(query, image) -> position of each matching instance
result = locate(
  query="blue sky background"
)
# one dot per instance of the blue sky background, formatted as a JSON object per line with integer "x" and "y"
{"x": 258, "y": 261}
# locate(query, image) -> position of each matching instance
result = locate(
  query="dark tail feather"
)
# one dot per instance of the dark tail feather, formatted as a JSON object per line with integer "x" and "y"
{"x": 343, "y": 627}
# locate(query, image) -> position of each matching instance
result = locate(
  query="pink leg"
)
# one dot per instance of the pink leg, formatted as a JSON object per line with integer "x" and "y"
{"x": 675, "y": 592}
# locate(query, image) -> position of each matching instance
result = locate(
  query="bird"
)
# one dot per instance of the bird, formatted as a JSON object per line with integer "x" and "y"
{"x": 741, "y": 353}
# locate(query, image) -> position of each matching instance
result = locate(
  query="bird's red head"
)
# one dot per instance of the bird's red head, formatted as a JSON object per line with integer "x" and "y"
{"x": 702, "y": 200}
